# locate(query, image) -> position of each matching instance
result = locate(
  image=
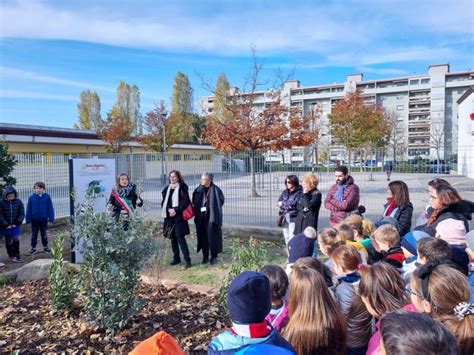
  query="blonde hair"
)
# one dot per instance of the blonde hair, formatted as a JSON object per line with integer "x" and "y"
{"x": 368, "y": 227}
{"x": 356, "y": 223}
{"x": 330, "y": 238}
{"x": 387, "y": 234}
{"x": 312, "y": 180}
{"x": 345, "y": 231}
{"x": 316, "y": 325}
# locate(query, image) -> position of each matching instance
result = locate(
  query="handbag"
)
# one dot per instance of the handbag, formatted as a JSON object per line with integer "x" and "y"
{"x": 280, "y": 220}
{"x": 168, "y": 231}
{"x": 188, "y": 212}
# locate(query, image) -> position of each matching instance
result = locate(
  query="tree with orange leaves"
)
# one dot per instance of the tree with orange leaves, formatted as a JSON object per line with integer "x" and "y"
{"x": 116, "y": 131}
{"x": 357, "y": 125}
{"x": 249, "y": 126}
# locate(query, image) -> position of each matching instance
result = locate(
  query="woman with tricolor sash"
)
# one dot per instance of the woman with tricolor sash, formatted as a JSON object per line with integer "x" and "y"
{"x": 175, "y": 227}
{"x": 124, "y": 197}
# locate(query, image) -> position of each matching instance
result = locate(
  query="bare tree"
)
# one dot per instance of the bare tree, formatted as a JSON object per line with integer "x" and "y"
{"x": 437, "y": 140}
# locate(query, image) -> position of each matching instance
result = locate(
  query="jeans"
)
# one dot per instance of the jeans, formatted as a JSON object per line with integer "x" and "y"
{"x": 39, "y": 226}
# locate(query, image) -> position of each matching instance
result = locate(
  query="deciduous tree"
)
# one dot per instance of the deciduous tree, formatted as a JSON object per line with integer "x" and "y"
{"x": 116, "y": 131}
{"x": 128, "y": 105}
{"x": 181, "y": 119}
{"x": 88, "y": 110}
{"x": 154, "y": 135}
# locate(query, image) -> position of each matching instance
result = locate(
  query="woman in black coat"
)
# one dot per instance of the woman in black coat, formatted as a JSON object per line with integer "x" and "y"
{"x": 175, "y": 227}
{"x": 309, "y": 204}
{"x": 398, "y": 206}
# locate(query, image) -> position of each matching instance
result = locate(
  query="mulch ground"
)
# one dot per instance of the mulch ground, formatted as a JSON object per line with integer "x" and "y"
{"x": 29, "y": 325}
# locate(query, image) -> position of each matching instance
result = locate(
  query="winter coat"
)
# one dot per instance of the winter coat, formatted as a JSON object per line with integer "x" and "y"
{"x": 403, "y": 214}
{"x": 308, "y": 211}
{"x": 279, "y": 320}
{"x": 394, "y": 256}
{"x": 181, "y": 226}
{"x": 132, "y": 196}
{"x": 340, "y": 209}
{"x": 11, "y": 212}
{"x": 358, "y": 319}
{"x": 39, "y": 207}
{"x": 289, "y": 201}
{"x": 229, "y": 343}
{"x": 208, "y": 224}
{"x": 461, "y": 210}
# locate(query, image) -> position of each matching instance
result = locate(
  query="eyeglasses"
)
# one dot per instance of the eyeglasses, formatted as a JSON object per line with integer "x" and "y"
{"x": 288, "y": 182}
{"x": 411, "y": 292}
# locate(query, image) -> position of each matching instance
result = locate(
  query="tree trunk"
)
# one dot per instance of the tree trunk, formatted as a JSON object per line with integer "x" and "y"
{"x": 253, "y": 193}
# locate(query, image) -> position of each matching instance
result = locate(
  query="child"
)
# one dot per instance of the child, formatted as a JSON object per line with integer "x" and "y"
{"x": 345, "y": 260}
{"x": 278, "y": 316}
{"x": 249, "y": 302}
{"x": 12, "y": 213}
{"x": 441, "y": 290}
{"x": 317, "y": 265}
{"x": 386, "y": 241}
{"x": 329, "y": 239}
{"x": 382, "y": 290}
{"x": 429, "y": 249}
{"x": 39, "y": 211}
{"x": 300, "y": 246}
{"x": 411, "y": 333}
{"x": 316, "y": 324}
{"x": 357, "y": 225}
{"x": 347, "y": 234}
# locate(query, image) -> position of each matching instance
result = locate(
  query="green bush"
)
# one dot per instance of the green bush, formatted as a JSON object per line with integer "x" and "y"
{"x": 248, "y": 256}
{"x": 63, "y": 284}
{"x": 113, "y": 257}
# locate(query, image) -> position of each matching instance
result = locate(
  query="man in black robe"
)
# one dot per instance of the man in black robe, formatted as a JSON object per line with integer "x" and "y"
{"x": 208, "y": 200}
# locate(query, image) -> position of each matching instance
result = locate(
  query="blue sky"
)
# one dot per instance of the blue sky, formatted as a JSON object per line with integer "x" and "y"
{"x": 52, "y": 50}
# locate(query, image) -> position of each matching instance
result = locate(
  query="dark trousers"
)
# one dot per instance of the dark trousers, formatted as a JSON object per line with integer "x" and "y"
{"x": 42, "y": 228}
{"x": 180, "y": 242}
{"x": 206, "y": 247}
{"x": 12, "y": 243}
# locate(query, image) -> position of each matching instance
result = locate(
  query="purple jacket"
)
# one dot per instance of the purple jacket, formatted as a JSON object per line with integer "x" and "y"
{"x": 280, "y": 319}
{"x": 289, "y": 201}
{"x": 349, "y": 203}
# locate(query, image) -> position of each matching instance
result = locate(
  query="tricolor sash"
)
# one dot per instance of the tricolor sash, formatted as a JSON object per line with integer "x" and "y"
{"x": 124, "y": 202}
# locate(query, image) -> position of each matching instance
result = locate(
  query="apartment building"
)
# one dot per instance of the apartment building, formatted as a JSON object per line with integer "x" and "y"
{"x": 423, "y": 108}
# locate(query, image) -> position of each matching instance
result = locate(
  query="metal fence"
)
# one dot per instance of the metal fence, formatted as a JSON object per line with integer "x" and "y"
{"x": 233, "y": 176}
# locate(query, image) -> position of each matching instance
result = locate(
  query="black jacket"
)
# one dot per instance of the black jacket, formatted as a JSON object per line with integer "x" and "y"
{"x": 403, "y": 215}
{"x": 132, "y": 197}
{"x": 308, "y": 211}
{"x": 461, "y": 210}
{"x": 181, "y": 226}
{"x": 11, "y": 212}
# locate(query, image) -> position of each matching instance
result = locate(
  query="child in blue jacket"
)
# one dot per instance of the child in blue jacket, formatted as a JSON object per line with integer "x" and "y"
{"x": 39, "y": 211}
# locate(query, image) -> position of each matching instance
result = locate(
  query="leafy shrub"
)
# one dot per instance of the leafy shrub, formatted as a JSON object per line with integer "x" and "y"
{"x": 113, "y": 252}
{"x": 247, "y": 256}
{"x": 63, "y": 284}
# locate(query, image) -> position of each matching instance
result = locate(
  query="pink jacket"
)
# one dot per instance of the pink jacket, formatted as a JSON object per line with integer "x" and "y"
{"x": 350, "y": 202}
{"x": 280, "y": 319}
{"x": 374, "y": 342}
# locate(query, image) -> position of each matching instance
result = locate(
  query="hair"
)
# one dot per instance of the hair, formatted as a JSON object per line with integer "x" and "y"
{"x": 447, "y": 287}
{"x": 330, "y": 238}
{"x": 117, "y": 180}
{"x": 343, "y": 169}
{"x": 316, "y": 264}
{"x": 310, "y": 233}
{"x": 39, "y": 184}
{"x": 414, "y": 333}
{"x": 293, "y": 179}
{"x": 316, "y": 324}
{"x": 345, "y": 231}
{"x": 434, "y": 248}
{"x": 368, "y": 227}
{"x": 347, "y": 257}
{"x": 178, "y": 175}
{"x": 312, "y": 180}
{"x": 400, "y": 193}
{"x": 383, "y": 287}
{"x": 387, "y": 233}
{"x": 356, "y": 223}
{"x": 210, "y": 176}
{"x": 446, "y": 193}
{"x": 278, "y": 280}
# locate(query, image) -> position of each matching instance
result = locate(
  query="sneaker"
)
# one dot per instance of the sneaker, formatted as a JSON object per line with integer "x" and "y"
{"x": 32, "y": 251}
{"x": 19, "y": 259}
{"x": 47, "y": 250}
{"x": 13, "y": 259}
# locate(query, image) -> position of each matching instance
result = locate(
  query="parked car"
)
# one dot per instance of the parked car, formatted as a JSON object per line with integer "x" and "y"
{"x": 438, "y": 167}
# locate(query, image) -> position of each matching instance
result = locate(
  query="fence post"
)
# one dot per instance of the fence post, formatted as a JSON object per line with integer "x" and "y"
{"x": 43, "y": 172}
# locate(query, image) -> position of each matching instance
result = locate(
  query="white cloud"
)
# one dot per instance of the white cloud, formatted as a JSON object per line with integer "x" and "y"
{"x": 23, "y": 94}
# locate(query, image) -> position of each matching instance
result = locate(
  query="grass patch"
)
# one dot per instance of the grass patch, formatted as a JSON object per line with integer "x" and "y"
{"x": 5, "y": 280}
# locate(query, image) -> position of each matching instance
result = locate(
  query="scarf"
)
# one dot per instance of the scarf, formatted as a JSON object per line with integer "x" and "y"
{"x": 254, "y": 330}
{"x": 123, "y": 191}
{"x": 340, "y": 192}
{"x": 174, "y": 199}
{"x": 391, "y": 207}
{"x": 350, "y": 278}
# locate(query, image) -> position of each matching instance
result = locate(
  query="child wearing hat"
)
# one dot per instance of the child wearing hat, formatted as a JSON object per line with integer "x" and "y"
{"x": 300, "y": 246}
{"x": 249, "y": 300}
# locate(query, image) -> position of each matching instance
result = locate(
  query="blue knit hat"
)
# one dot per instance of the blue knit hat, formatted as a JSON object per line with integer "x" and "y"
{"x": 410, "y": 240}
{"x": 249, "y": 298}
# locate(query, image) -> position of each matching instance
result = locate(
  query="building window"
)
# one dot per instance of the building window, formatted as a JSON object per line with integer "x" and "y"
{"x": 414, "y": 82}
{"x": 425, "y": 81}
{"x": 400, "y": 107}
{"x": 176, "y": 157}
